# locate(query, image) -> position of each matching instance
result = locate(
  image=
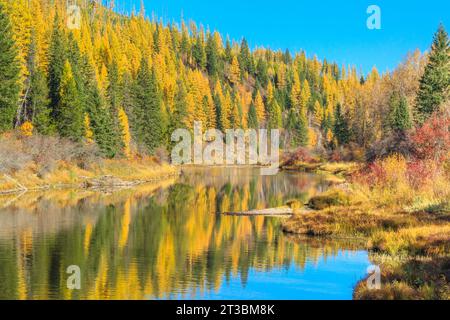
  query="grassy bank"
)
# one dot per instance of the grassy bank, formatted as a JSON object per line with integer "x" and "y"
{"x": 121, "y": 172}
{"x": 39, "y": 162}
{"x": 404, "y": 221}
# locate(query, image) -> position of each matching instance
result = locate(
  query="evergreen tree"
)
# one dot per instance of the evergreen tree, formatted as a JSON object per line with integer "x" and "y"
{"x": 399, "y": 119}
{"x": 9, "y": 74}
{"x": 198, "y": 52}
{"x": 103, "y": 126}
{"x": 219, "y": 113}
{"x": 103, "y": 118}
{"x": 252, "y": 117}
{"x": 148, "y": 109}
{"x": 297, "y": 128}
{"x": 180, "y": 110}
{"x": 70, "y": 120}
{"x": 245, "y": 59}
{"x": 212, "y": 56}
{"x": 39, "y": 103}
{"x": 57, "y": 60}
{"x": 262, "y": 75}
{"x": 341, "y": 129}
{"x": 435, "y": 83}
{"x": 228, "y": 51}
{"x": 275, "y": 116}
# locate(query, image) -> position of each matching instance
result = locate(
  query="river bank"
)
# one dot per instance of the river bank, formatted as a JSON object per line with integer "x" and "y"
{"x": 406, "y": 229}
{"x": 103, "y": 174}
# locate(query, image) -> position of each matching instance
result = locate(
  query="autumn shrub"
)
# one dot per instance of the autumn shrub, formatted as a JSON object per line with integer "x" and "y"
{"x": 395, "y": 143}
{"x": 328, "y": 199}
{"x": 299, "y": 155}
{"x": 12, "y": 158}
{"x": 432, "y": 140}
{"x": 44, "y": 153}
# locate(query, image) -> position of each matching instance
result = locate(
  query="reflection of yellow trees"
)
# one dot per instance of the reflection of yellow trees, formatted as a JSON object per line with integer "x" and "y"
{"x": 179, "y": 244}
{"x": 87, "y": 237}
{"x": 125, "y": 226}
{"x": 100, "y": 290}
{"x": 165, "y": 262}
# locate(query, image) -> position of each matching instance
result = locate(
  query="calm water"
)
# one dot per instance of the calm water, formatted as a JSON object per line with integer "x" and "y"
{"x": 168, "y": 241}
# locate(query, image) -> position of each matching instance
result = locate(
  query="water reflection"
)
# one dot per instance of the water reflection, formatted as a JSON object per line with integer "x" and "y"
{"x": 168, "y": 241}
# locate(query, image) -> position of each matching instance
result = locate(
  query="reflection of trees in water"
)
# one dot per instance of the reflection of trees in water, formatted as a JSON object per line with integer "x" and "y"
{"x": 169, "y": 243}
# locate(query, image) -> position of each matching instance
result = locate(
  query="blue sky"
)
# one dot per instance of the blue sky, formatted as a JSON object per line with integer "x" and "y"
{"x": 335, "y": 30}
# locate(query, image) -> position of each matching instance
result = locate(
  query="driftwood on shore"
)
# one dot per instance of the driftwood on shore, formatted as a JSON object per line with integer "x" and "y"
{"x": 279, "y": 212}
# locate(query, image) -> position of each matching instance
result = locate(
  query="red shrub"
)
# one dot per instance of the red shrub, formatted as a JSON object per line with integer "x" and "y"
{"x": 419, "y": 172}
{"x": 432, "y": 140}
{"x": 299, "y": 155}
{"x": 372, "y": 174}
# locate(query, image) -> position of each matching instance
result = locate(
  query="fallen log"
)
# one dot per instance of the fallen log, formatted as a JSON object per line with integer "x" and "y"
{"x": 280, "y": 211}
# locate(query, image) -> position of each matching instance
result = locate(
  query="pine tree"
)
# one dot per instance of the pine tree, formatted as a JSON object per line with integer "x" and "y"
{"x": 198, "y": 52}
{"x": 103, "y": 119}
{"x": 219, "y": 113}
{"x": 245, "y": 59}
{"x": 148, "y": 109}
{"x": 212, "y": 56}
{"x": 252, "y": 117}
{"x": 228, "y": 51}
{"x": 262, "y": 75}
{"x": 70, "y": 120}
{"x": 341, "y": 129}
{"x": 298, "y": 129}
{"x": 435, "y": 83}
{"x": 399, "y": 119}
{"x": 58, "y": 57}
{"x": 39, "y": 103}
{"x": 103, "y": 126}
{"x": 180, "y": 108}
{"x": 9, "y": 74}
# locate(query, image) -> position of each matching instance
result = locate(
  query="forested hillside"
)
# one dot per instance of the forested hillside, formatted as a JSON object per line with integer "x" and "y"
{"x": 126, "y": 82}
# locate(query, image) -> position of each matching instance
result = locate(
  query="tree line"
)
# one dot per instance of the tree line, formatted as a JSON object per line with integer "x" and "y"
{"x": 125, "y": 82}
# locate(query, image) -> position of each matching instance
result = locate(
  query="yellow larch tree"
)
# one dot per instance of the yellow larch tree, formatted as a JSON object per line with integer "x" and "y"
{"x": 126, "y": 135}
{"x": 260, "y": 109}
{"x": 305, "y": 96}
{"x": 235, "y": 71}
{"x": 88, "y": 133}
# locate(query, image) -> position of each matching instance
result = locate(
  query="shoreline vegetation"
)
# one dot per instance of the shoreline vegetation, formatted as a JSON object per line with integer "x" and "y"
{"x": 406, "y": 229}
{"x": 96, "y": 106}
{"x": 108, "y": 175}
{"x": 32, "y": 163}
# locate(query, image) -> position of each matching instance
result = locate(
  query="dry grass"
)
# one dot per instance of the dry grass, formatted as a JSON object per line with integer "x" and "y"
{"x": 71, "y": 175}
{"x": 404, "y": 215}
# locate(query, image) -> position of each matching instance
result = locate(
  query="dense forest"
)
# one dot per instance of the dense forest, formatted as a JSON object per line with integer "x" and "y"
{"x": 125, "y": 82}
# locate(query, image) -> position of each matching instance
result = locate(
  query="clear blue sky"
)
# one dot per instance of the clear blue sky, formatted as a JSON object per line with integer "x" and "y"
{"x": 331, "y": 29}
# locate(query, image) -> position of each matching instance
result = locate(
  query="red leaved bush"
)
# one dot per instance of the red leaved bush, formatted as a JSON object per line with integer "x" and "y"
{"x": 432, "y": 140}
{"x": 419, "y": 172}
{"x": 299, "y": 155}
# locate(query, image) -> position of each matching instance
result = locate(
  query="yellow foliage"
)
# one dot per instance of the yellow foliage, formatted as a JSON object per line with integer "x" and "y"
{"x": 88, "y": 133}
{"x": 126, "y": 135}
{"x": 235, "y": 71}
{"x": 260, "y": 109}
{"x": 26, "y": 129}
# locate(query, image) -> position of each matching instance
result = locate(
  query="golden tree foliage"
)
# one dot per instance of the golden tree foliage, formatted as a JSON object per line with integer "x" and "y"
{"x": 235, "y": 71}
{"x": 126, "y": 135}
{"x": 88, "y": 133}
{"x": 26, "y": 129}
{"x": 260, "y": 109}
